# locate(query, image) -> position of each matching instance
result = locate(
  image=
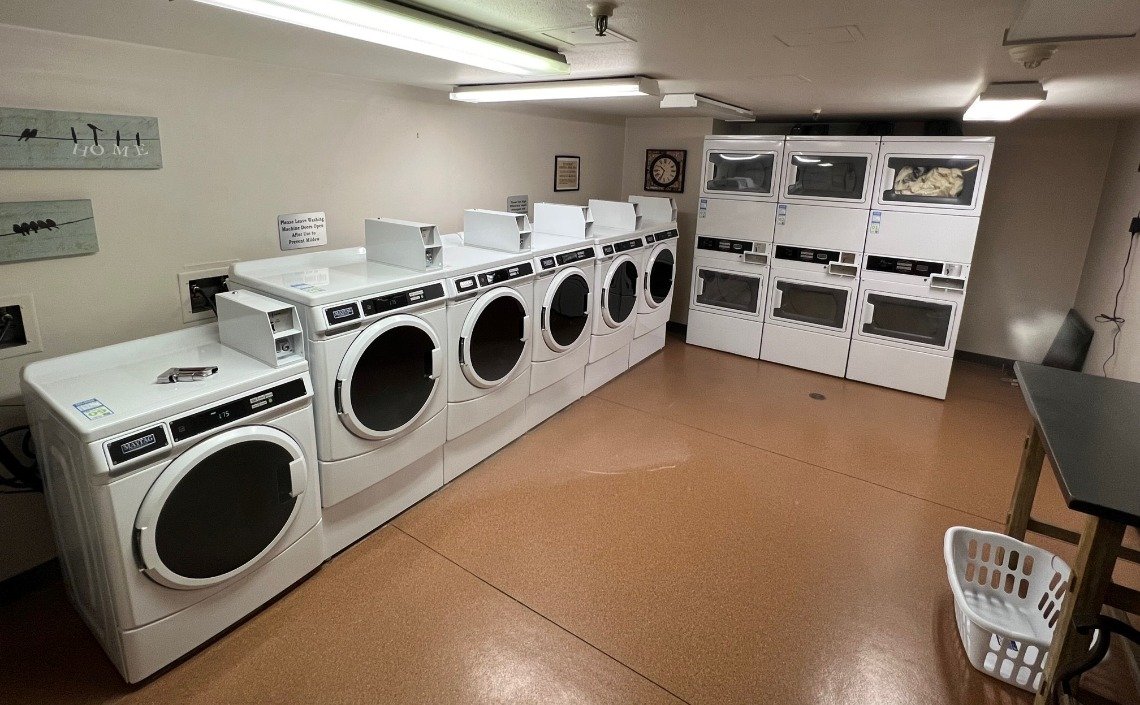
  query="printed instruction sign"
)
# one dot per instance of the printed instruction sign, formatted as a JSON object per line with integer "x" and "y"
{"x": 300, "y": 230}
{"x": 518, "y": 204}
{"x": 92, "y": 409}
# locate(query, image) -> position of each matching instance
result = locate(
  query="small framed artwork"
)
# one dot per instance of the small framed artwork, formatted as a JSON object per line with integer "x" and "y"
{"x": 567, "y": 173}
{"x": 665, "y": 170}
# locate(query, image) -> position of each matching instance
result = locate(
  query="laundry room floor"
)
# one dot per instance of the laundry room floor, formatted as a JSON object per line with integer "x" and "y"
{"x": 699, "y": 530}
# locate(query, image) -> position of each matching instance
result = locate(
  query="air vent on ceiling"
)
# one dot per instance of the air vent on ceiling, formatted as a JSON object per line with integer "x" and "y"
{"x": 822, "y": 36}
{"x": 583, "y": 36}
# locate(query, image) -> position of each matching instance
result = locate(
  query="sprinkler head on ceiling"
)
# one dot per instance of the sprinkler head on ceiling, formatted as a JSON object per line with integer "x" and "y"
{"x": 601, "y": 12}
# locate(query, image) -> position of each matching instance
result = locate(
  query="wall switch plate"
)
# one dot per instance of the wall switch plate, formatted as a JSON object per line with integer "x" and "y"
{"x": 26, "y": 338}
{"x": 193, "y": 310}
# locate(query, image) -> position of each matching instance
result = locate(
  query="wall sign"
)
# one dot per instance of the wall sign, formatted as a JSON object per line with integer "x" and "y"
{"x": 518, "y": 204}
{"x": 665, "y": 170}
{"x": 567, "y": 173}
{"x": 300, "y": 230}
{"x": 54, "y": 139}
{"x": 44, "y": 229}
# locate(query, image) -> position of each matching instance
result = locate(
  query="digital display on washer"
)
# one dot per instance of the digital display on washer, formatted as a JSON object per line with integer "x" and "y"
{"x": 400, "y": 299}
{"x": 546, "y": 262}
{"x": 806, "y": 254}
{"x": 627, "y": 245}
{"x": 574, "y": 256}
{"x": 913, "y": 267}
{"x": 344, "y": 313}
{"x": 223, "y": 414}
{"x": 607, "y": 249}
{"x": 720, "y": 244}
{"x": 506, "y": 274}
{"x": 137, "y": 445}
{"x": 665, "y": 235}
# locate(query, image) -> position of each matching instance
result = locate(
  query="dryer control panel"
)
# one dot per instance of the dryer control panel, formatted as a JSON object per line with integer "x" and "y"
{"x": 898, "y": 265}
{"x": 720, "y": 244}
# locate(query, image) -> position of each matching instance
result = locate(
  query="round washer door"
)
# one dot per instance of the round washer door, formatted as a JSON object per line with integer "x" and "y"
{"x": 659, "y": 275}
{"x": 619, "y": 291}
{"x": 566, "y": 309}
{"x": 388, "y": 376}
{"x": 220, "y": 507}
{"x": 494, "y": 337}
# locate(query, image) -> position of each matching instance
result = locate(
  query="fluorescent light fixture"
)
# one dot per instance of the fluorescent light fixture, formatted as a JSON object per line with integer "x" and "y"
{"x": 557, "y": 90}
{"x": 407, "y": 29}
{"x": 1002, "y": 102}
{"x": 706, "y": 107}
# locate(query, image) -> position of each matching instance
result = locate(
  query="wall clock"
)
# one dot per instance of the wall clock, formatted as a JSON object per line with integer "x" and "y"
{"x": 665, "y": 170}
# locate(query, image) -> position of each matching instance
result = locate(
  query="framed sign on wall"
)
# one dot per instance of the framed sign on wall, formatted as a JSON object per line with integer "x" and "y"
{"x": 567, "y": 173}
{"x": 665, "y": 170}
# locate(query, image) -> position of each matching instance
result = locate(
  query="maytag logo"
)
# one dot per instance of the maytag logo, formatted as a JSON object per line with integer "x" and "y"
{"x": 137, "y": 444}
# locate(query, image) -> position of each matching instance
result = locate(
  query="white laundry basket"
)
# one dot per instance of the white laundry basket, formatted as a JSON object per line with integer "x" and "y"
{"x": 1007, "y": 599}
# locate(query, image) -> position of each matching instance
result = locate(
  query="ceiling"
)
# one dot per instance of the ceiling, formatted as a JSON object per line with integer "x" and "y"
{"x": 874, "y": 58}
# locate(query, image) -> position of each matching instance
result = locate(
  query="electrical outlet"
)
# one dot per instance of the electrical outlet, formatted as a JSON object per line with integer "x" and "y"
{"x": 207, "y": 276}
{"x": 21, "y": 332}
{"x": 203, "y": 291}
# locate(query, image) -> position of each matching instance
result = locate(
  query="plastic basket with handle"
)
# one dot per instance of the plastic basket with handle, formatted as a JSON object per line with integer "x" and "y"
{"x": 1007, "y": 599}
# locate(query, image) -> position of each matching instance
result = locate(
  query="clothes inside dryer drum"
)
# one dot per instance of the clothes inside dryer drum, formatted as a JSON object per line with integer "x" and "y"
{"x": 622, "y": 295}
{"x": 569, "y": 309}
{"x": 392, "y": 380}
{"x": 747, "y": 173}
{"x": 829, "y": 176}
{"x": 496, "y": 343}
{"x": 735, "y": 292}
{"x": 807, "y": 303}
{"x": 661, "y": 276}
{"x": 226, "y": 510}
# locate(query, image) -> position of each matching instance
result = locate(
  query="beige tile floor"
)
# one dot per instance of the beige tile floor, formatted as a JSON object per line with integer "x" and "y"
{"x": 698, "y": 530}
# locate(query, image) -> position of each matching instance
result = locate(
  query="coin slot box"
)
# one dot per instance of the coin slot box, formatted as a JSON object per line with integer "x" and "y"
{"x": 497, "y": 230}
{"x": 263, "y": 328}
{"x": 403, "y": 243}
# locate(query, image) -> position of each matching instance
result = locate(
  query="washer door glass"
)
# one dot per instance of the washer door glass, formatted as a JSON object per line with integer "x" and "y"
{"x": 813, "y": 304}
{"x": 908, "y": 320}
{"x": 728, "y": 290}
{"x": 218, "y": 508}
{"x": 388, "y": 377}
{"x": 494, "y": 337}
{"x": 566, "y": 310}
{"x": 659, "y": 278}
{"x": 619, "y": 295}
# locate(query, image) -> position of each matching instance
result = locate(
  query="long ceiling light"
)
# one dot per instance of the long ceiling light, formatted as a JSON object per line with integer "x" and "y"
{"x": 1002, "y": 102}
{"x": 407, "y": 29}
{"x": 558, "y": 90}
{"x": 707, "y": 107}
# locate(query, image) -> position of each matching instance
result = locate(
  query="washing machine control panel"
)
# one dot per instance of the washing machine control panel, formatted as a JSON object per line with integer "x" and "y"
{"x": 222, "y": 414}
{"x": 400, "y": 299}
{"x": 562, "y": 258}
{"x": 661, "y": 236}
{"x": 627, "y": 245}
{"x": 493, "y": 276}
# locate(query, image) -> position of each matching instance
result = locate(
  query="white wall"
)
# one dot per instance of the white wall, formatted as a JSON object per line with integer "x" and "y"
{"x": 243, "y": 142}
{"x": 1119, "y": 203}
{"x": 1040, "y": 206}
{"x": 670, "y": 133}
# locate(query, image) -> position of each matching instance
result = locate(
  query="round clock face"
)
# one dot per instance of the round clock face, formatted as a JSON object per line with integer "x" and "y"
{"x": 664, "y": 170}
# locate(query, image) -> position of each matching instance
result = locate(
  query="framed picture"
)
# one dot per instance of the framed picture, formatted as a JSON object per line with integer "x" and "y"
{"x": 665, "y": 170}
{"x": 567, "y": 173}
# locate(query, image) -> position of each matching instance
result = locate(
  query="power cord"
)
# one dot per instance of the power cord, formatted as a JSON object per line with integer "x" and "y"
{"x": 21, "y": 478}
{"x": 8, "y": 320}
{"x": 1116, "y": 319}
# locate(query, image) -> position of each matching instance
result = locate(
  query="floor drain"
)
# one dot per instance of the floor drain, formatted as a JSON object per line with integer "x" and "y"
{"x": 817, "y": 396}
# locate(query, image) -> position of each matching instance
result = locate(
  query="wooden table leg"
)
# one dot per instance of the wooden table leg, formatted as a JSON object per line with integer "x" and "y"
{"x": 1032, "y": 457}
{"x": 1092, "y": 574}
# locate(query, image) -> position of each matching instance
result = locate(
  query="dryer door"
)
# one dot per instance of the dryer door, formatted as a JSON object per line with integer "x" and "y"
{"x": 494, "y": 337}
{"x": 659, "y": 275}
{"x": 619, "y": 291}
{"x": 566, "y": 310}
{"x": 388, "y": 376}
{"x": 220, "y": 507}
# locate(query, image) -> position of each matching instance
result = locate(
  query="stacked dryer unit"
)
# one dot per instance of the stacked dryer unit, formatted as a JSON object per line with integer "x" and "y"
{"x": 563, "y": 308}
{"x": 619, "y": 246}
{"x": 821, "y": 224}
{"x": 181, "y": 478}
{"x": 659, "y": 274}
{"x": 489, "y": 310}
{"x": 375, "y": 322}
{"x": 920, "y": 241}
{"x": 735, "y": 223}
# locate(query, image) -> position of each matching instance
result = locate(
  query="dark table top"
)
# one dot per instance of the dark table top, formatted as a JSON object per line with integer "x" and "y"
{"x": 1091, "y": 430}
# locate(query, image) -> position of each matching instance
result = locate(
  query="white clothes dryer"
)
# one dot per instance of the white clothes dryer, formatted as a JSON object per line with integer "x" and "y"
{"x": 178, "y": 507}
{"x": 730, "y": 283}
{"x": 564, "y": 300}
{"x": 617, "y": 279}
{"x": 489, "y": 352}
{"x": 377, "y": 339}
{"x": 906, "y": 324}
{"x": 810, "y": 307}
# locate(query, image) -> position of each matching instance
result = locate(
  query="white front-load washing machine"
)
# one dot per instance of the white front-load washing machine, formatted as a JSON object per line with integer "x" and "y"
{"x": 377, "y": 340}
{"x": 655, "y": 301}
{"x": 178, "y": 507}
{"x": 620, "y": 261}
{"x": 564, "y": 304}
{"x": 489, "y": 351}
